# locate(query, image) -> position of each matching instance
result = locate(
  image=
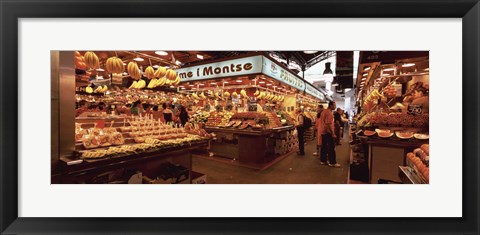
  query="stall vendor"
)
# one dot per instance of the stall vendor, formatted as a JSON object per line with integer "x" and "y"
{"x": 417, "y": 99}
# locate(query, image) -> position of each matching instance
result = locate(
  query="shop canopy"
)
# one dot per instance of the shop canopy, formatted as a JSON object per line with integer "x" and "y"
{"x": 248, "y": 65}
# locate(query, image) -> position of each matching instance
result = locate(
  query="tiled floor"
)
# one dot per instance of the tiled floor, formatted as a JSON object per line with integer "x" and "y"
{"x": 291, "y": 170}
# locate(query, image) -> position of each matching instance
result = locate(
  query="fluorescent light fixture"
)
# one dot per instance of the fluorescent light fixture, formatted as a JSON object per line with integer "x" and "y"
{"x": 269, "y": 84}
{"x": 212, "y": 83}
{"x": 100, "y": 69}
{"x": 194, "y": 88}
{"x": 310, "y": 52}
{"x": 138, "y": 59}
{"x": 172, "y": 87}
{"x": 239, "y": 80}
{"x": 365, "y": 74}
{"x": 200, "y": 56}
{"x": 156, "y": 66}
{"x": 408, "y": 65}
{"x": 124, "y": 63}
{"x": 347, "y": 89}
{"x": 161, "y": 53}
{"x": 367, "y": 68}
{"x": 178, "y": 62}
{"x": 125, "y": 73}
{"x": 201, "y": 84}
{"x": 225, "y": 82}
{"x": 276, "y": 86}
{"x": 183, "y": 88}
{"x": 427, "y": 69}
{"x": 261, "y": 82}
{"x": 363, "y": 79}
{"x": 191, "y": 85}
{"x": 389, "y": 69}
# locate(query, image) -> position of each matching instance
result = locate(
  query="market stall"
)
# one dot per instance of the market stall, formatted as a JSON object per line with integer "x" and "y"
{"x": 393, "y": 119}
{"x": 248, "y": 101}
{"x": 115, "y": 135}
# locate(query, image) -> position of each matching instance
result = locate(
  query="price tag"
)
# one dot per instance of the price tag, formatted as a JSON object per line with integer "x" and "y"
{"x": 415, "y": 109}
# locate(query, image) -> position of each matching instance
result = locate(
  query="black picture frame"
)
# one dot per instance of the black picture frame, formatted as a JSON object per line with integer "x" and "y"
{"x": 11, "y": 11}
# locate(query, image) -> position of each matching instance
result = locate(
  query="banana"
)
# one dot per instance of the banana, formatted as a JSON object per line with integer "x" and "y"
{"x": 177, "y": 81}
{"x": 261, "y": 95}
{"x": 91, "y": 59}
{"x": 244, "y": 93}
{"x": 151, "y": 83}
{"x": 141, "y": 84}
{"x": 98, "y": 89}
{"x": 234, "y": 94}
{"x": 134, "y": 84}
{"x": 226, "y": 93}
{"x": 211, "y": 94}
{"x": 161, "y": 81}
{"x": 160, "y": 73}
{"x": 257, "y": 92}
{"x": 105, "y": 88}
{"x": 195, "y": 96}
{"x": 89, "y": 89}
{"x": 149, "y": 72}
{"x": 202, "y": 95}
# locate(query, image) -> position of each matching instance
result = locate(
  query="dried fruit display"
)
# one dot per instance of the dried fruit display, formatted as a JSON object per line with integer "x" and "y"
{"x": 394, "y": 119}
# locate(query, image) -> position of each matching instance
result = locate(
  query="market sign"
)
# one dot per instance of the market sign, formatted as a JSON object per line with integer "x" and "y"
{"x": 235, "y": 67}
{"x": 311, "y": 90}
{"x": 273, "y": 70}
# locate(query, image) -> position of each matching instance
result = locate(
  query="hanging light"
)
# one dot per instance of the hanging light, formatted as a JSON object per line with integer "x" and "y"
{"x": 310, "y": 52}
{"x": 327, "y": 69}
{"x": 408, "y": 65}
{"x": 366, "y": 68}
{"x": 161, "y": 53}
{"x": 138, "y": 59}
{"x": 156, "y": 66}
{"x": 200, "y": 56}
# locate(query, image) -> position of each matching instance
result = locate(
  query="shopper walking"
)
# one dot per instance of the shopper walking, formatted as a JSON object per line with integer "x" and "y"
{"x": 300, "y": 132}
{"x": 328, "y": 136}
{"x": 337, "y": 117}
{"x": 317, "y": 123}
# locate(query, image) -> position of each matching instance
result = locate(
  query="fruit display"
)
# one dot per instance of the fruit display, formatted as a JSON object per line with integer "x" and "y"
{"x": 394, "y": 119}
{"x": 149, "y": 145}
{"x": 369, "y": 133}
{"x": 96, "y": 137}
{"x": 80, "y": 61}
{"x": 91, "y": 60}
{"x": 273, "y": 120}
{"x": 200, "y": 117}
{"x": 389, "y": 91}
{"x": 219, "y": 119}
{"x": 369, "y": 102}
{"x": 114, "y": 65}
{"x": 404, "y": 134}
{"x": 419, "y": 161}
{"x": 384, "y": 133}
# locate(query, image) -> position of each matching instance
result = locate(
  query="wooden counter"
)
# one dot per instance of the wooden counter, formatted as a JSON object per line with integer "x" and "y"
{"x": 385, "y": 155}
{"x": 146, "y": 162}
{"x": 248, "y": 146}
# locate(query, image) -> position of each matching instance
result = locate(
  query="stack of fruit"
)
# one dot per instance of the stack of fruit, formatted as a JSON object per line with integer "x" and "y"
{"x": 149, "y": 145}
{"x": 389, "y": 91}
{"x": 273, "y": 120}
{"x": 394, "y": 119}
{"x": 419, "y": 161}
{"x": 97, "y": 137}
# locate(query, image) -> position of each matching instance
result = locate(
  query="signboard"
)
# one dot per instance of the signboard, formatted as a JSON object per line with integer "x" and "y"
{"x": 311, "y": 90}
{"x": 344, "y": 69}
{"x": 273, "y": 70}
{"x": 235, "y": 67}
{"x": 388, "y": 57}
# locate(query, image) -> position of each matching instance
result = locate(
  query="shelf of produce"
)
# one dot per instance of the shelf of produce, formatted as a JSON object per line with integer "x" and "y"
{"x": 248, "y": 131}
{"x": 143, "y": 161}
{"x": 386, "y": 154}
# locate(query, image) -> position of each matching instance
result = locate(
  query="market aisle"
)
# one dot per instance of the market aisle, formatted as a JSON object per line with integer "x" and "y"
{"x": 291, "y": 170}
